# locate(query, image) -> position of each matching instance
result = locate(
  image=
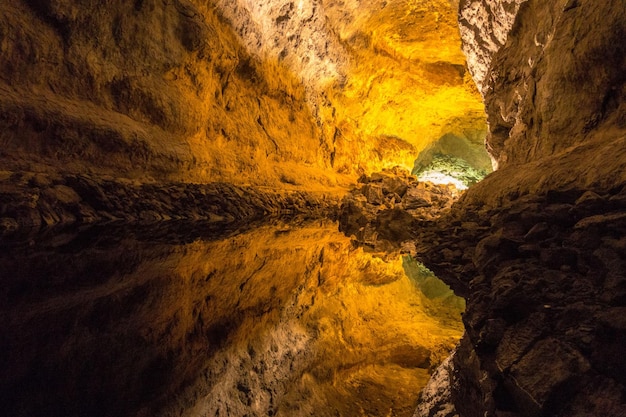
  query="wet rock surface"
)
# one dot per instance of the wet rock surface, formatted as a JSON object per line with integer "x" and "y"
{"x": 33, "y": 202}
{"x": 387, "y": 208}
{"x": 544, "y": 277}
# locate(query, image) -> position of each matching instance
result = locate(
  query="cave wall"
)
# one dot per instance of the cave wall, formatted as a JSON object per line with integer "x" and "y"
{"x": 537, "y": 247}
{"x": 552, "y": 78}
{"x": 276, "y": 93}
{"x": 148, "y": 89}
{"x": 384, "y": 78}
{"x": 407, "y": 82}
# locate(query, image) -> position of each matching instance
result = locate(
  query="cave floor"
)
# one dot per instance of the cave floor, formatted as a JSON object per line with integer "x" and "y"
{"x": 286, "y": 319}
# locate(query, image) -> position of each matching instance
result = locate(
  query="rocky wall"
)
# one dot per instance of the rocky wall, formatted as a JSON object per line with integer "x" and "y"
{"x": 544, "y": 280}
{"x": 384, "y": 78}
{"x": 275, "y": 93}
{"x": 384, "y": 210}
{"x": 33, "y": 203}
{"x": 485, "y": 27}
{"x": 552, "y": 77}
{"x": 149, "y": 89}
{"x": 537, "y": 247}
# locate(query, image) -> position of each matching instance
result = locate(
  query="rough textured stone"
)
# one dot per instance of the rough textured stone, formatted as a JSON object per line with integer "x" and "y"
{"x": 436, "y": 398}
{"x": 148, "y": 90}
{"x": 185, "y": 320}
{"x": 527, "y": 56}
{"x": 75, "y": 200}
{"x": 383, "y": 214}
{"x": 544, "y": 268}
{"x": 485, "y": 27}
{"x": 237, "y": 91}
{"x": 140, "y": 113}
{"x": 538, "y": 304}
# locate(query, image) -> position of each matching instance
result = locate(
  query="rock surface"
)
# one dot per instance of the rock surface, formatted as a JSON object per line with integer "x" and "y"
{"x": 302, "y": 94}
{"x": 285, "y": 319}
{"x": 149, "y": 90}
{"x": 150, "y": 110}
{"x": 436, "y": 398}
{"x": 485, "y": 27}
{"x": 544, "y": 280}
{"x": 33, "y": 203}
{"x": 536, "y": 247}
{"x": 385, "y": 211}
{"x": 552, "y": 77}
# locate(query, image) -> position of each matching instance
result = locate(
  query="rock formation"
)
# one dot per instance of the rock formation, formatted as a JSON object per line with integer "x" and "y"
{"x": 285, "y": 319}
{"x": 537, "y": 247}
{"x": 161, "y": 136}
{"x": 149, "y": 90}
{"x": 553, "y": 83}
{"x": 387, "y": 208}
{"x": 145, "y": 145}
{"x": 243, "y": 92}
{"x": 544, "y": 280}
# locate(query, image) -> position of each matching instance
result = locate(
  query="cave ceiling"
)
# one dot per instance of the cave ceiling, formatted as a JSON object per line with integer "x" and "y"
{"x": 281, "y": 93}
{"x": 385, "y": 78}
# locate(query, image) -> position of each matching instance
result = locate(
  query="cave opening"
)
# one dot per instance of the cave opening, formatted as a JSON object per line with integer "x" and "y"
{"x": 454, "y": 159}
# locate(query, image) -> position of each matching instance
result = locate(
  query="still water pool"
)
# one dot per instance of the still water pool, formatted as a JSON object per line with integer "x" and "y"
{"x": 288, "y": 319}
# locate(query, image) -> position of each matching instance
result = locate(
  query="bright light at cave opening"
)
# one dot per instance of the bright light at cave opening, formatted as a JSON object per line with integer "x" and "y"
{"x": 440, "y": 178}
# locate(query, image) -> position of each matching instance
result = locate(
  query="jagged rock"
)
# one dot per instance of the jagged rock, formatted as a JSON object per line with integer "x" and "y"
{"x": 395, "y": 225}
{"x": 149, "y": 111}
{"x": 538, "y": 231}
{"x": 8, "y": 226}
{"x": 373, "y": 194}
{"x": 537, "y": 281}
{"x": 76, "y": 199}
{"x": 548, "y": 365}
{"x": 414, "y": 199}
{"x": 384, "y": 212}
{"x": 518, "y": 338}
{"x": 511, "y": 54}
{"x": 436, "y": 398}
{"x": 394, "y": 185}
{"x": 535, "y": 310}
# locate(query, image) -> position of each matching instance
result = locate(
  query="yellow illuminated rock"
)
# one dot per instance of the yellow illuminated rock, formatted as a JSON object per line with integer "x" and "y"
{"x": 108, "y": 107}
{"x": 328, "y": 327}
{"x": 277, "y": 93}
{"x": 132, "y": 130}
{"x": 406, "y": 82}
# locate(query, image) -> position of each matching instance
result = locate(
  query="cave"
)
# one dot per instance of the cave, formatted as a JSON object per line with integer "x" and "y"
{"x": 313, "y": 208}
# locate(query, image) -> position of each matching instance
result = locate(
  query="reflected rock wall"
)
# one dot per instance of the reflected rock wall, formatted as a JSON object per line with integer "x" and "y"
{"x": 281, "y": 320}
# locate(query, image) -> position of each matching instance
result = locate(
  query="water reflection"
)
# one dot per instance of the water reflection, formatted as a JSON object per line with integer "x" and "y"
{"x": 287, "y": 319}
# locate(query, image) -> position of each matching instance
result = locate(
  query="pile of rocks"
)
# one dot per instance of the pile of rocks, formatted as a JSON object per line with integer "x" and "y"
{"x": 544, "y": 277}
{"x": 30, "y": 202}
{"x": 385, "y": 209}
